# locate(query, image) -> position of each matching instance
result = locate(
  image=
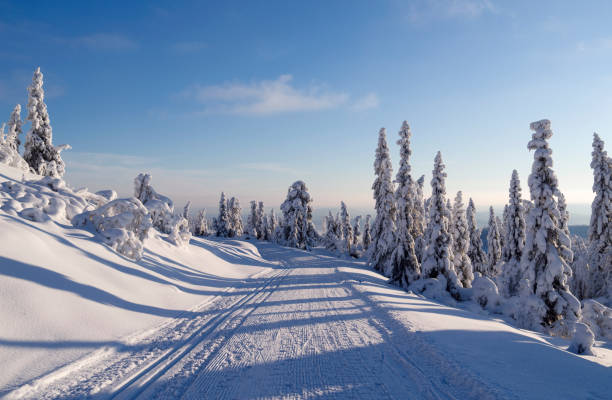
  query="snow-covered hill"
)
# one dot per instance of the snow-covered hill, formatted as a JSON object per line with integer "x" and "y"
{"x": 238, "y": 319}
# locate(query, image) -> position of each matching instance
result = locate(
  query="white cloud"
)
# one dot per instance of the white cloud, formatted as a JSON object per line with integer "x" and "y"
{"x": 104, "y": 41}
{"x": 366, "y": 102}
{"x": 264, "y": 97}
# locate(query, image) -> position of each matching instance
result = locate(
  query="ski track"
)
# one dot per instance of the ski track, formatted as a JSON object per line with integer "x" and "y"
{"x": 304, "y": 330}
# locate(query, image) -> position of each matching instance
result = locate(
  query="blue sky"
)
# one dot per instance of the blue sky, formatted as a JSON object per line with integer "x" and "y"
{"x": 247, "y": 97}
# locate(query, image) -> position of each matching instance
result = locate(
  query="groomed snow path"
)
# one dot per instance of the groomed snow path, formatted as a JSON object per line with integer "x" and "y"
{"x": 321, "y": 327}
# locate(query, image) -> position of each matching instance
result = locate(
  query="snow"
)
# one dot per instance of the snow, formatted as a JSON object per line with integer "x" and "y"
{"x": 223, "y": 318}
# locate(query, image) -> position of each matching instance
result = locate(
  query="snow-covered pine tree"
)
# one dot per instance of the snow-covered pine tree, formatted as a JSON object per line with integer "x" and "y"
{"x": 494, "y": 246}
{"x": 346, "y": 228}
{"x": 331, "y": 233}
{"x": 438, "y": 257}
{"x": 272, "y": 225}
{"x": 235, "y": 228}
{"x": 356, "y": 231}
{"x": 383, "y": 229}
{"x": 544, "y": 267}
{"x": 367, "y": 237}
{"x": 580, "y": 282}
{"x": 223, "y": 218}
{"x": 514, "y": 239}
{"x": 475, "y": 252}
{"x": 461, "y": 243}
{"x": 186, "y": 210}
{"x": 40, "y": 153}
{"x": 259, "y": 220}
{"x": 404, "y": 264}
{"x": 600, "y": 228}
{"x": 419, "y": 220}
{"x": 201, "y": 224}
{"x": 251, "y": 228}
{"x": 564, "y": 220}
{"x": 298, "y": 230}
{"x": 14, "y": 129}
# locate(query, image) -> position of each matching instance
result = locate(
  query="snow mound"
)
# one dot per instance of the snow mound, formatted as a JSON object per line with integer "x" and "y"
{"x": 485, "y": 293}
{"x": 582, "y": 341}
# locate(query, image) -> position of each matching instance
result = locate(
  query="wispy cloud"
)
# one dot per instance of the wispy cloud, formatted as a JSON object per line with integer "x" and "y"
{"x": 424, "y": 11}
{"x": 596, "y": 45}
{"x": 188, "y": 47}
{"x": 264, "y": 97}
{"x": 366, "y": 102}
{"x": 103, "y": 41}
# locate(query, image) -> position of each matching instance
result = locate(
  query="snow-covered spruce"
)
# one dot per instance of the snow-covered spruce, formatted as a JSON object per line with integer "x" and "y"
{"x": 235, "y": 228}
{"x": 200, "y": 227}
{"x": 514, "y": 242}
{"x": 41, "y": 155}
{"x": 186, "y": 210}
{"x": 367, "y": 238}
{"x": 598, "y": 317}
{"x": 159, "y": 206}
{"x": 346, "y": 228}
{"x": 438, "y": 257}
{"x": 547, "y": 301}
{"x": 383, "y": 229}
{"x": 494, "y": 246}
{"x": 461, "y": 243}
{"x": 600, "y": 228}
{"x": 259, "y": 221}
{"x": 475, "y": 252}
{"x": 251, "y": 227}
{"x": 9, "y": 145}
{"x": 331, "y": 239}
{"x": 14, "y": 129}
{"x": 405, "y": 267}
{"x": 222, "y": 221}
{"x": 357, "y": 231}
{"x": 272, "y": 226}
{"x": 298, "y": 230}
{"x": 418, "y": 218}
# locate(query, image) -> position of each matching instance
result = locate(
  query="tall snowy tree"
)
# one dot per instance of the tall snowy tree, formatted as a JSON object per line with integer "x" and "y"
{"x": 514, "y": 239}
{"x": 223, "y": 218}
{"x": 461, "y": 243}
{"x": 332, "y": 233}
{"x": 40, "y": 153}
{"x": 419, "y": 219}
{"x": 438, "y": 257}
{"x": 251, "y": 228}
{"x": 14, "y": 129}
{"x": 564, "y": 219}
{"x": 260, "y": 220}
{"x": 600, "y": 228}
{"x": 475, "y": 252}
{"x": 272, "y": 225}
{"x": 356, "y": 231}
{"x": 235, "y": 228}
{"x": 186, "y": 210}
{"x": 405, "y": 267}
{"x": 347, "y": 229}
{"x": 544, "y": 267}
{"x": 201, "y": 224}
{"x": 298, "y": 230}
{"x": 383, "y": 229}
{"x": 367, "y": 238}
{"x": 494, "y": 246}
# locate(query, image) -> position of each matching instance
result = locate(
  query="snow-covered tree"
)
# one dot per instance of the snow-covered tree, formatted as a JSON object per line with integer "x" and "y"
{"x": 235, "y": 228}
{"x": 223, "y": 220}
{"x": 544, "y": 267}
{"x": 600, "y": 228}
{"x": 201, "y": 224}
{"x": 251, "y": 228}
{"x": 494, "y": 246}
{"x": 419, "y": 220}
{"x": 564, "y": 220}
{"x": 367, "y": 238}
{"x": 332, "y": 233}
{"x": 475, "y": 252}
{"x": 40, "y": 153}
{"x": 160, "y": 207}
{"x": 461, "y": 243}
{"x": 14, "y": 129}
{"x": 356, "y": 231}
{"x": 272, "y": 225}
{"x": 438, "y": 257}
{"x": 405, "y": 267}
{"x": 383, "y": 229}
{"x": 186, "y": 210}
{"x": 259, "y": 221}
{"x": 580, "y": 283}
{"x": 298, "y": 230}
{"x": 514, "y": 239}
{"x": 346, "y": 228}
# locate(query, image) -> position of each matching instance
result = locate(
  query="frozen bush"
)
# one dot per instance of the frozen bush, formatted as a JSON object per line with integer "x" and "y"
{"x": 598, "y": 317}
{"x": 582, "y": 340}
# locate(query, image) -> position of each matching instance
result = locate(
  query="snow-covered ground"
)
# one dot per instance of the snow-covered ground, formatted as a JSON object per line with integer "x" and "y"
{"x": 236, "y": 319}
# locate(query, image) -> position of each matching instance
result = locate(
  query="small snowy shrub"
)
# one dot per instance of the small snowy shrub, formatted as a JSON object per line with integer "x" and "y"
{"x": 598, "y": 317}
{"x": 582, "y": 341}
{"x": 485, "y": 293}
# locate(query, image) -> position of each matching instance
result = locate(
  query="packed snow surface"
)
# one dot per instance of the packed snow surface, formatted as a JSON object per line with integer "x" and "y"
{"x": 248, "y": 319}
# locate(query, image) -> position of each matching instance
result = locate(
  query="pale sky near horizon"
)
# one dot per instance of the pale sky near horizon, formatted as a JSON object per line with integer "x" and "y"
{"x": 247, "y": 97}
